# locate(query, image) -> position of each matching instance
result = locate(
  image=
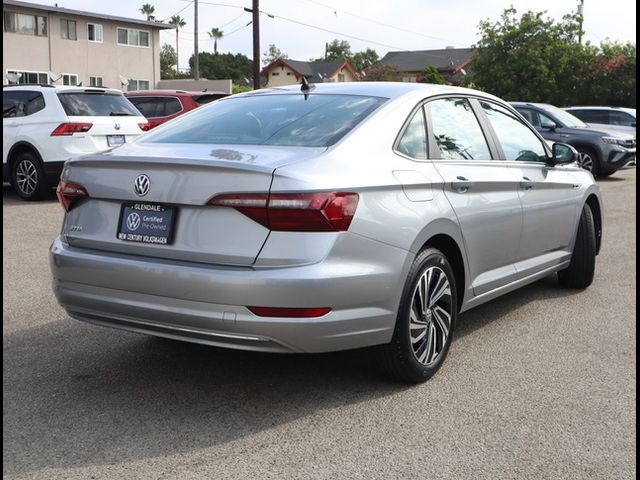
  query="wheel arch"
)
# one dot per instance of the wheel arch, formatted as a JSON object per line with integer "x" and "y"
{"x": 450, "y": 248}
{"x": 17, "y": 148}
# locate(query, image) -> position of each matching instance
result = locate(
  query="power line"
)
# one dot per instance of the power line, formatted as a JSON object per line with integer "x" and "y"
{"x": 219, "y": 4}
{"x": 179, "y": 11}
{"x": 377, "y": 22}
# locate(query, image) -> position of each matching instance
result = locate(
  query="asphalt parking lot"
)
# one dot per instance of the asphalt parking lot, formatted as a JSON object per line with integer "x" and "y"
{"x": 538, "y": 384}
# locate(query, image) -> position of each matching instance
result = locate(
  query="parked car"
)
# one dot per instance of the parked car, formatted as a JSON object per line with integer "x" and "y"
{"x": 601, "y": 150}
{"x": 159, "y": 106}
{"x": 616, "y": 118}
{"x": 324, "y": 218}
{"x": 45, "y": 125}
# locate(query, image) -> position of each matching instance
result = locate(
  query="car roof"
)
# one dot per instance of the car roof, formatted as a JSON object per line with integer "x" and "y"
{"x": 61, "y": 88}
{"x": 624, "y": 109}
{"x": 140, "y": 93}
{"x": 389, "y": 90}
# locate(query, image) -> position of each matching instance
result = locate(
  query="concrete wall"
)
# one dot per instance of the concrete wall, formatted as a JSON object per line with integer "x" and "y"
{"x": 196, "y": 86}
{"x": 107, "y": 59}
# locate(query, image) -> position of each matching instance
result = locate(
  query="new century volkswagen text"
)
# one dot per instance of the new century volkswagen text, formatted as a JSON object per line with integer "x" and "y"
{"x": 324, "y": 218}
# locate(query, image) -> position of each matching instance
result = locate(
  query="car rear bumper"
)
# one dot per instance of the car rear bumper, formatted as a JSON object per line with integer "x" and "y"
{"x": 208, "y": 304}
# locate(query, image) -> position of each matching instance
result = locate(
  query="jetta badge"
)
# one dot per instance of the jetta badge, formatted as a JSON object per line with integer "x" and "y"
{"x": 141, "y": 185}
{"x": 117, "y": 126}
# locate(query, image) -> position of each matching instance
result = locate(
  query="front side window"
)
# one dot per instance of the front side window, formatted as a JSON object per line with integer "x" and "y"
{"x": 456, "y": 130}
{"x": 94, "y": 32}
{"x": 68, "y": 29}
{"x": 413, "y": 142}
{"x": 12, "y": 104}
{"x": 283, "y": 119}
{"x": 517, "y": 140}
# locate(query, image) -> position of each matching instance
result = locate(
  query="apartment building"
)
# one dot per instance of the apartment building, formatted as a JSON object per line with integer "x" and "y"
{"x": 60, "y": 46}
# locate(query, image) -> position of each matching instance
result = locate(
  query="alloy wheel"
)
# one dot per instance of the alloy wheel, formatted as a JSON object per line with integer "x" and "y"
{"x": 27, "y": 177}
{"x": 585, "y": 161}
{"x": 430, "y": 316}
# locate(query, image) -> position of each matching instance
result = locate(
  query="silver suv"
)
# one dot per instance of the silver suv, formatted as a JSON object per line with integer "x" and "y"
{"x": 319, "y": 219}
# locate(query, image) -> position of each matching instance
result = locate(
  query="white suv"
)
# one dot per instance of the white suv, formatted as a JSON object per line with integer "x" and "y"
{"x": 45, "y": 125}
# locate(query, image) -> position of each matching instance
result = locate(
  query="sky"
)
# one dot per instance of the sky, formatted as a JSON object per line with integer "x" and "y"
{"x": 383, "y": 25}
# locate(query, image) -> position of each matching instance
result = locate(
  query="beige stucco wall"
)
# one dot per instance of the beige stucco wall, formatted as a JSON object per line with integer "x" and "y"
{"x": 57, "y": 55}
{"x": 348, "y": 76}
{"x": 284, "y": 76}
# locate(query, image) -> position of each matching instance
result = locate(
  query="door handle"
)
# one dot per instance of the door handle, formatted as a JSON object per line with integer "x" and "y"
{"x": 526, "y": 183}
{"x": 461, "y": 184}
{"x": 575, "y": 185}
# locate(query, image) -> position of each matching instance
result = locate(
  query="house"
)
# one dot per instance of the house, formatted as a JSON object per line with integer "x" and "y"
{"x": 450, "y": 62}
{"x": 54, "y": 45}
{"x": 289, "y": 72}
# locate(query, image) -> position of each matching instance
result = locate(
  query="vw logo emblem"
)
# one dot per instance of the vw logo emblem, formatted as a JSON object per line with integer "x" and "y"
{"x": 117, "y": 126}
{"x": 141, "y": 185}
{"x": 133, "y": 221}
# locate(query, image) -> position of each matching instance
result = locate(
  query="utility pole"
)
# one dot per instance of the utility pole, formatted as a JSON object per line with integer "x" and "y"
{"x": 581, "y": 19}
{"x": 196, "y": 58}
{"x": 256, "y": 44}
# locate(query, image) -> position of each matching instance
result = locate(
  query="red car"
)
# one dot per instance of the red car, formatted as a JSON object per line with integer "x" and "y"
{"x": 158, "y": 106}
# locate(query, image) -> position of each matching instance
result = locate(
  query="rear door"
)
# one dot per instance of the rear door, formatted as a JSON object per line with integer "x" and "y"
{"x": 550, "y": 196}
{"x": 482, "y": 191}
{"x": 12, "y": 110}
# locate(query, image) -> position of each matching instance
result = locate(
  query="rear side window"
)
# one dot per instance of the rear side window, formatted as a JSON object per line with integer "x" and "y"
{"x": 591, "y": 116}
{"x": 282, "y": 119}
{"x": 413, "y": 142}
{"x": 150, "y": 107}
{"x": 622, "y": 118}
{"x": 171, "y": 106}
{"x": 456, "y": 130}
{"x": 99, "y": 104}
{"x": 34, "y": 102}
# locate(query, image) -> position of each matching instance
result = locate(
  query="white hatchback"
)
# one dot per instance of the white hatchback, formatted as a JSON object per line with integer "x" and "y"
{"x": 45, "y": 125}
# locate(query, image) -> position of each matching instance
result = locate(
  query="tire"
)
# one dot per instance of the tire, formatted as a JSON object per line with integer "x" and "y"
{"x": 579, "y": 273}
{"x": 28, "y": 178}
{"x": 588, "y": 160}
{"x": 416, "y": 352}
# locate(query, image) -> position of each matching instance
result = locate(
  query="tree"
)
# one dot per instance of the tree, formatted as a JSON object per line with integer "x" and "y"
{"x": 147, "y": 9}
{"x": 272, "y": 54}
{"x": 338, "y": 50}
{"x": 529, "y": 58}
{"x": 178, "y": 22}
{"x": 361, "y": 60}
{"x": 168, "y": 58}
{"x": 432, "y": 75}
{"x": 225, "y": 65}
{"x": 215, "y": 34}
{"x": 380, "y": 72}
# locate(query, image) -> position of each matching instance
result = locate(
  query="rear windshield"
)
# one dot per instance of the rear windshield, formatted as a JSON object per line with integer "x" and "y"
{"x": 315, "y": 121}
{"x": 99, "y": 104}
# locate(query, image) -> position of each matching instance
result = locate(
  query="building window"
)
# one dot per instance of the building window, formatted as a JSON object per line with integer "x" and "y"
{"x": 69, "y": 79}
{"x": 288, "y": 74}
{"x": 341, "y": 77}
{"x": 96, "y": 82}
{"x": 135, "y": 38}
{"x": 28, "y": 24}
{"x": 68, "y": 29}
{"x": 409, "y": 79}
{"x": 15, "y": 77}
{"x": 94, "y": 32}
{"x": 138, "y": 85}
{"x": 275, "y": 74}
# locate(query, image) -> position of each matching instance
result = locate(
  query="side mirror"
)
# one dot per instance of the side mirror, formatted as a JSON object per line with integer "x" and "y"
{"x": 563, "y": 154}
{"x": 548, "y": 124}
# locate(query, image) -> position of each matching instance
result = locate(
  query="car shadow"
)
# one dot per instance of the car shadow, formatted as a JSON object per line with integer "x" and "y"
{"x": 9, "y": 197}
{"x": 122, "y": 397}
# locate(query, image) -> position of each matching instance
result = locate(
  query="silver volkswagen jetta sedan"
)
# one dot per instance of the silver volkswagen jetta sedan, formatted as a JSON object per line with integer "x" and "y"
{"x": 323, "y": 218}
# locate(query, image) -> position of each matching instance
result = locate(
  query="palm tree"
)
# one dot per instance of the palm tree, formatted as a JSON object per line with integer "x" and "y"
{"x": 178, "y": 22}
{"x": 215, "y": 34}
{"x": 147, "y": 9}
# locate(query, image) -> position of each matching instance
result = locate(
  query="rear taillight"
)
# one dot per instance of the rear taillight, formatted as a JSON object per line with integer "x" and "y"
{"x": 295, "y": 212}
{"x": 289, "y": 312}
{"x": 69, "y": 193}
{"x": 71, "y": 128}
{"x": 145, "y": 126}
